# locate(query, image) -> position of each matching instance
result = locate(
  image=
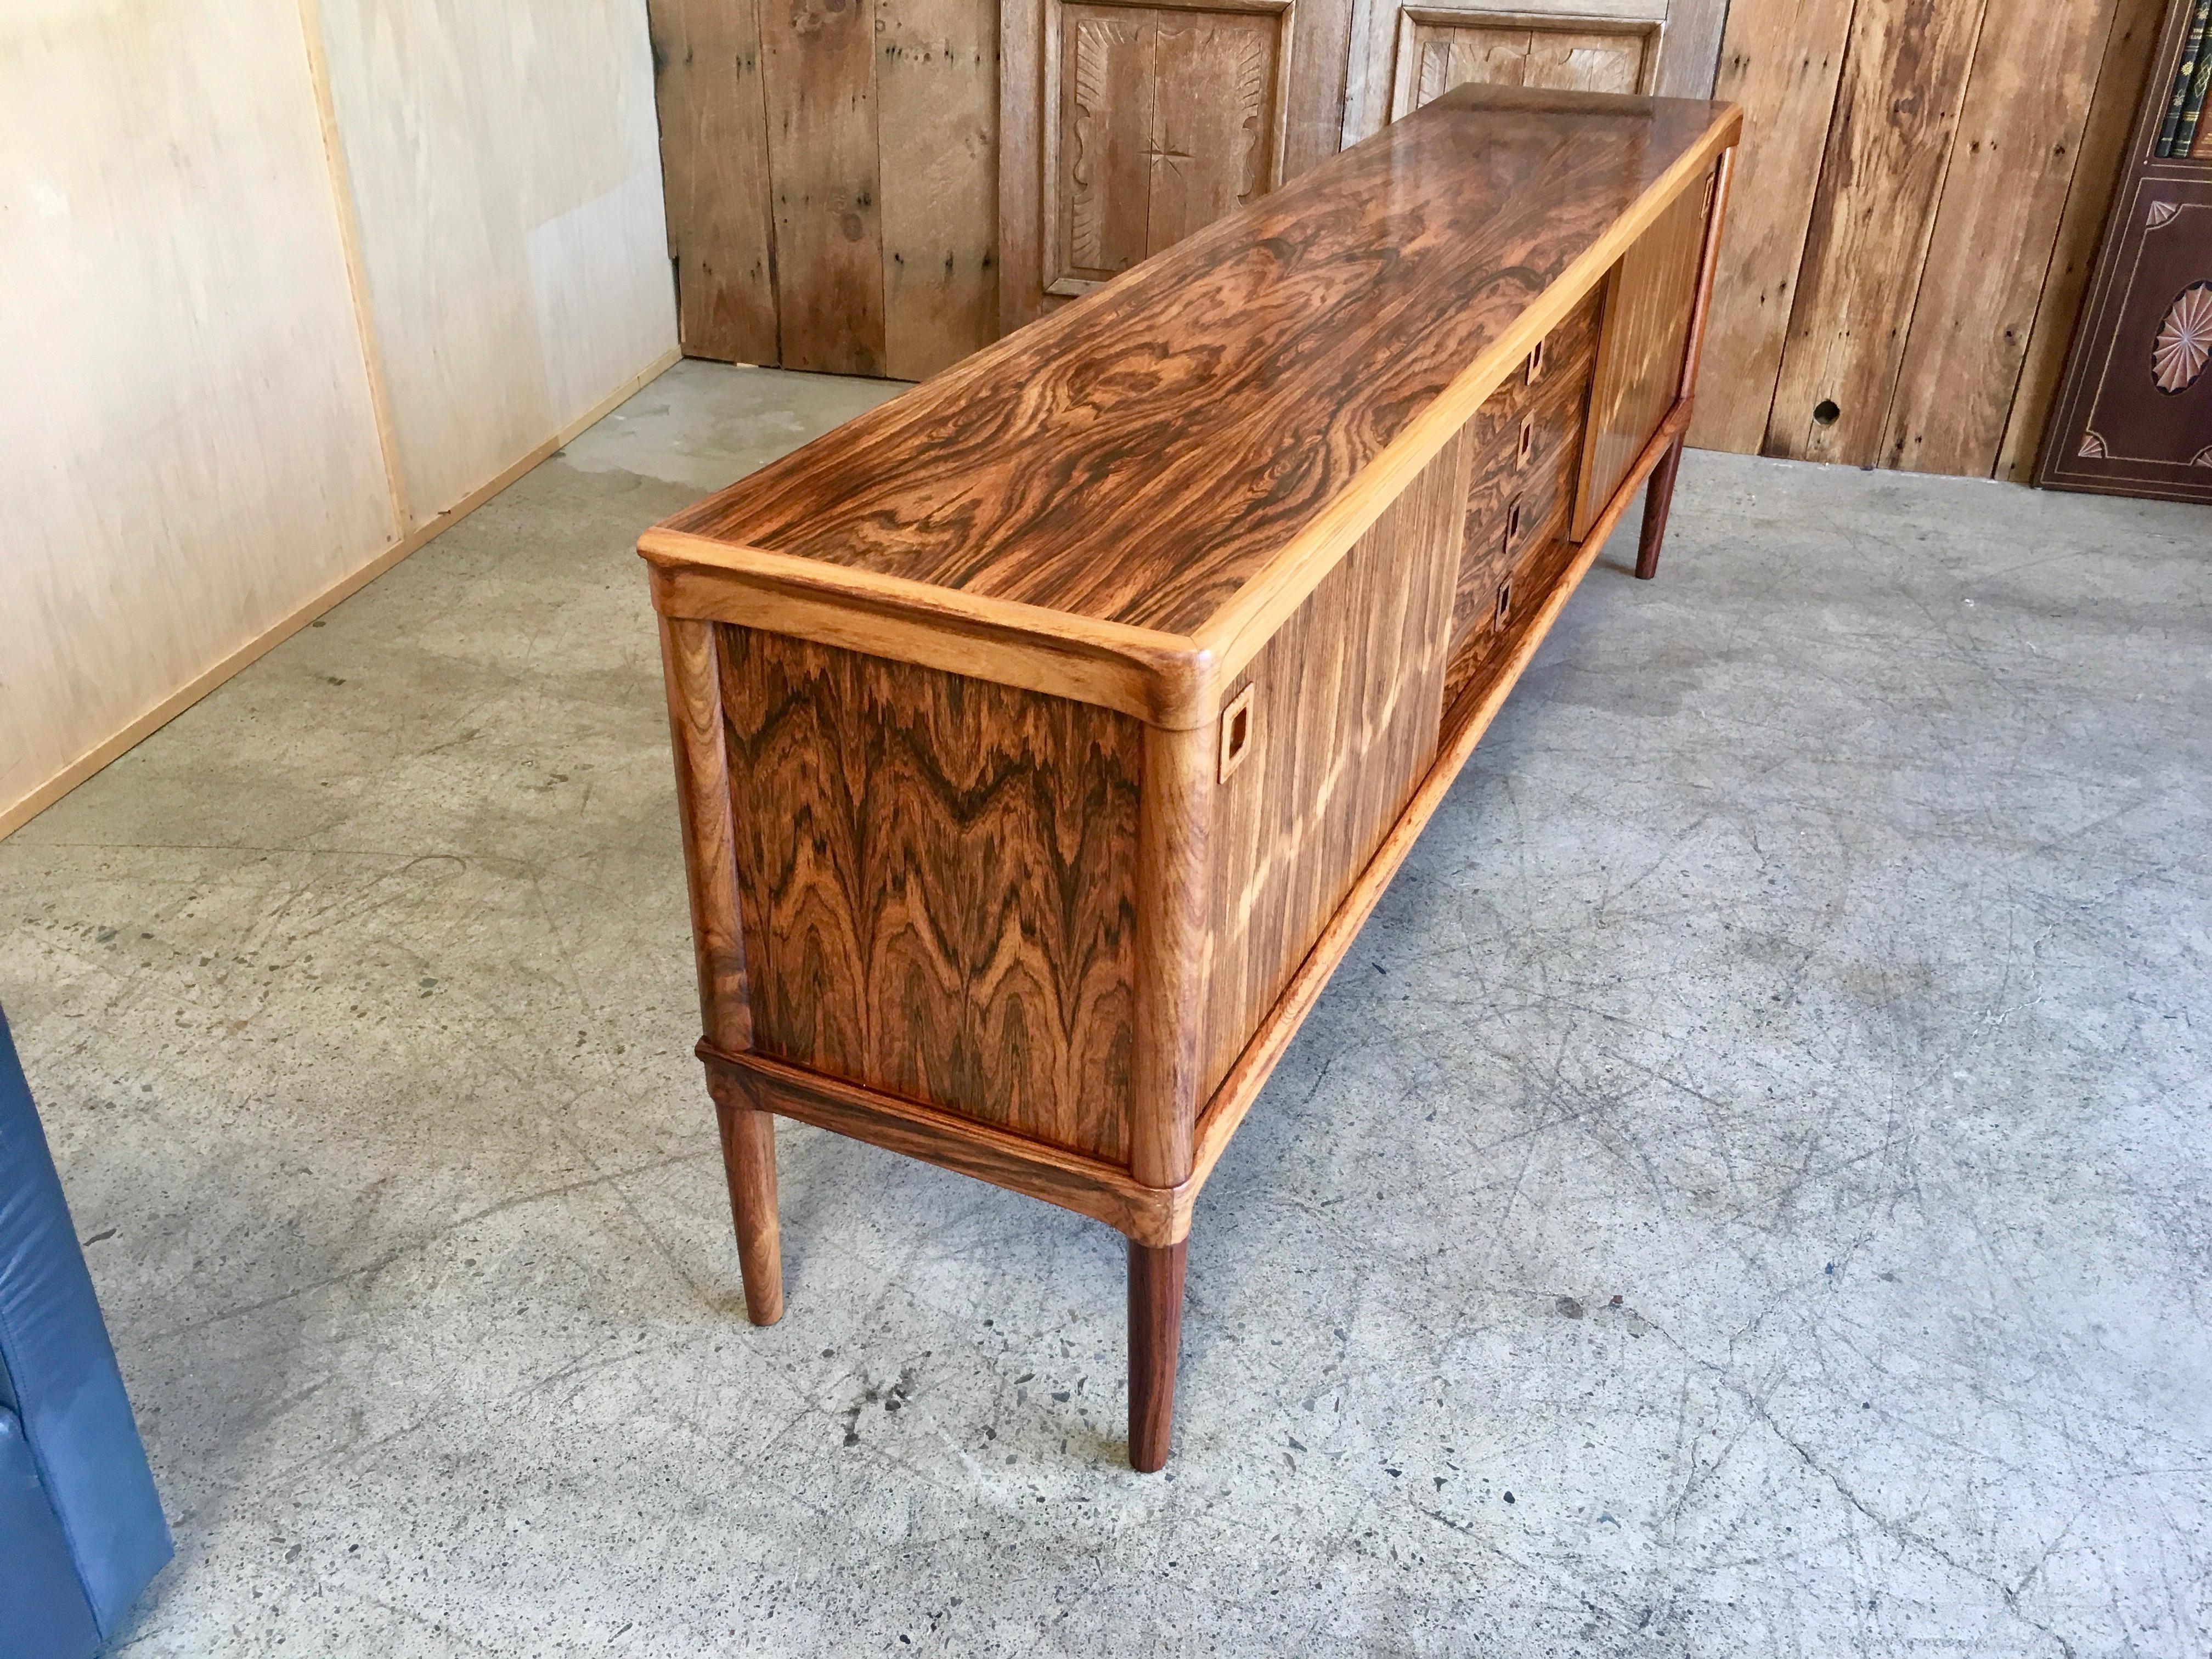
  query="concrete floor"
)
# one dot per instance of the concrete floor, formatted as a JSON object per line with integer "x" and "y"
{"x": 1746, "y": 1194}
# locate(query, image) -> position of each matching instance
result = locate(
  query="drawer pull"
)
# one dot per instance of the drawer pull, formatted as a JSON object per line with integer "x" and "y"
{"x": 1536, "y": 364}
{"x": 1237, "y": 731}
{"x": 1528, "y": 440}
{"x": 1512, "y": 525}
{"x": 1505, "y": 601}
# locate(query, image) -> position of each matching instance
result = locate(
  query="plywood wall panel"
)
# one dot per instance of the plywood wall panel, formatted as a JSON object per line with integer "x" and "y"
{"x": 504, "y": 168}
{"x": 290, "y": 285}
{"x": 2012, "y": 164}
{"x": 1781, "y": 63}
{"x": 937, "y": 105}
{"x": 713, "y": 149}
{"x": 191, "y": 449}
{"x": 1897, "y": 111}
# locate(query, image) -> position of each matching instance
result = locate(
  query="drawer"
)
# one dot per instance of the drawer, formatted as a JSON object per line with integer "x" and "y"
{"x": 1527, "y": 459}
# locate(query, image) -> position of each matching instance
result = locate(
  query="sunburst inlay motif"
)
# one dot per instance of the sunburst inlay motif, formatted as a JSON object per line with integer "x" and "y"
{"x": 2185, "y": 340}
{"x": 2092, "y": 446}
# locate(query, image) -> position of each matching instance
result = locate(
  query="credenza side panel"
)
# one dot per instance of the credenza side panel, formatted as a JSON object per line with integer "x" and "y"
{"x": 1346, "y": 703}
{"x": 1650, "y": 303}
{"x": 936, "y": 877}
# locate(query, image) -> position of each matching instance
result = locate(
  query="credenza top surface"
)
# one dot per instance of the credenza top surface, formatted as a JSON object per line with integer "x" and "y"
{"x": 1139, "y": 455}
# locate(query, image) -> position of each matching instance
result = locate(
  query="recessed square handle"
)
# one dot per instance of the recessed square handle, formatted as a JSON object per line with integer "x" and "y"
{"x": 1237, "y": 731}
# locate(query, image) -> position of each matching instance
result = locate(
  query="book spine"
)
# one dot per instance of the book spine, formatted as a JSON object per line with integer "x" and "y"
{"x": 2184, "y": 137}
{"x": 2185, "y": 78}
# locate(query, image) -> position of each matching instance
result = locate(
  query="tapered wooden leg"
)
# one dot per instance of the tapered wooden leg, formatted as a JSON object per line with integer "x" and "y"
{"x": 1658, "y": 499}
{"x": 749, "y": 1161}
{"x": 1155, "y": 1337}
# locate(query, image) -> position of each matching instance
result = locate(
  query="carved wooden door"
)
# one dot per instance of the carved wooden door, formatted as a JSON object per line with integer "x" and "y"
{"x": 1126, "y": 124}
{"x": 1403, "y": 54}
{"x": 2134, "y": 414}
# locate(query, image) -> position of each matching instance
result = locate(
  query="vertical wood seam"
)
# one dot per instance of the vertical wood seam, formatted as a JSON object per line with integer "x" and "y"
{"x": 2057, "y": 236}
{"x": 876, "y": 144}
{"x": 1820, "y": 184}
{"x": 767, "y": 184}
{"x": 334, "y": 169}
{"x": 2012, "y": 463}
{"x": 1928, "y": 237}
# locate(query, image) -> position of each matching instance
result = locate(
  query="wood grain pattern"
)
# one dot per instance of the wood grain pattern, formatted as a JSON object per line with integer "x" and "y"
{"x": 1439, "y": 49}
{"x": 690, "y": 661}
{"x": 1464, "y": 723}
{"x": 937, "y": 876}
{"x": 824, "y": 188}
{"x": 1174, "y": 951}
{"x": 2098, "y": 167}
{"x": 1155, "y": 1286}
{"x": 713, "y": 159}
{"x": 936, "y": 113}
{"x": 1087, "y": 1186}
{"x": 1160, "y": 119}
{"x": 1682, "y": 43}
{"x": 1989, "y": 253}
{"x": 1348, "y": 694}
{"x": 1163, "y": 679}
{"x": 1641, "y": 359}
{"x": 748, "y": 1137}
{"x": 1782, "y": 61}
{"x": 1897, "y": 113}
{"x": 1074, "y": 466}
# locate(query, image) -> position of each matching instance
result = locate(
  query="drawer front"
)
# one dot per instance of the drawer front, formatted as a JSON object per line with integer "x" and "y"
{"x": 1526, "y": 459}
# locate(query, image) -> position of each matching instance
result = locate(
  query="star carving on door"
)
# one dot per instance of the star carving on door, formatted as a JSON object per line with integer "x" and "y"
{"x": 1157, "y": 153}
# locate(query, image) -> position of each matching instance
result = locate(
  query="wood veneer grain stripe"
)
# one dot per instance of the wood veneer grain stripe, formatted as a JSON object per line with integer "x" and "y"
{"x": 1464, "y": 727}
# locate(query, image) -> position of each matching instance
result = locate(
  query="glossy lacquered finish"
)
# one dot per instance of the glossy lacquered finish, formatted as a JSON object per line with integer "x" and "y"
{"x": 1077, "y": 465}
{"x": 1043, "y": 738}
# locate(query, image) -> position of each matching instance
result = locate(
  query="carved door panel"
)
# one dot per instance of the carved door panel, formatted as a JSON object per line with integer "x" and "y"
{"x": 1404, "y": 55}
{"x": 1126, "y": 125}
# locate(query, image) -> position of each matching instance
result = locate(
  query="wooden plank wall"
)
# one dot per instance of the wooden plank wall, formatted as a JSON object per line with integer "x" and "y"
{"x": 832, "y": 180}
{"x": 295, "y": 286}
{"x": 1920, "y": 192}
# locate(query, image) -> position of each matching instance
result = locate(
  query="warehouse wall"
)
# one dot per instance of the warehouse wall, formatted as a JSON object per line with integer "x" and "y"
{"x": 286, "y": 292}
{"x": 1922, "y": 186}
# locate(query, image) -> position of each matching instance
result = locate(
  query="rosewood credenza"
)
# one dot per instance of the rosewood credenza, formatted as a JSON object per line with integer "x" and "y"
{"x": 1044, "y": 736}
